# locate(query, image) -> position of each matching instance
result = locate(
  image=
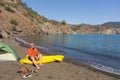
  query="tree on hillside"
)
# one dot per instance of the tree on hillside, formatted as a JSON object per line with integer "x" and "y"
{"x": 63, "y": 22}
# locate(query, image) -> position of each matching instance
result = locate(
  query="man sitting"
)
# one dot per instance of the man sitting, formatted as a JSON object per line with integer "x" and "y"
{"x": 34, "y": 54}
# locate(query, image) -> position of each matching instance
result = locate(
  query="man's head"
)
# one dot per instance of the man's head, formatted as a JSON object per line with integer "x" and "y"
{"x": 32, "y": 45}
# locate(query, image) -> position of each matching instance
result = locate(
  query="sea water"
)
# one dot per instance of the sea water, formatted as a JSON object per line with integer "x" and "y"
{"x": 99, "y": 51}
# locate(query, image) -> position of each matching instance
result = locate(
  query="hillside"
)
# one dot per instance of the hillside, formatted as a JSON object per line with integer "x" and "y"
{"x": 17, "y": 19}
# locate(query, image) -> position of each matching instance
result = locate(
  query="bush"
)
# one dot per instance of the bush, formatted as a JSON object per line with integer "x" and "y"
{"x": 13, "y": 27}
{"x": 2, "y": 4}
{"x": 14, "y": 5}
{"x": 13, "y": 21}
{"x": 63, "y": 23}
{"x": 74, "y": 28}
{"x": 9, "y": 9}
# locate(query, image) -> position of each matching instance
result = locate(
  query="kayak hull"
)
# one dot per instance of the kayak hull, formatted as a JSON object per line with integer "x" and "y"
{"x": 45, "y": 59}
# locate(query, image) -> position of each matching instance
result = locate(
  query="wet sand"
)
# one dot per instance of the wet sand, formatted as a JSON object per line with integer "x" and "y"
{"x": 66, "y": 70}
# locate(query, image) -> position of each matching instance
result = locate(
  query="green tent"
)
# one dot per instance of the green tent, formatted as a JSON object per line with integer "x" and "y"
{"x": 9, "y": 54}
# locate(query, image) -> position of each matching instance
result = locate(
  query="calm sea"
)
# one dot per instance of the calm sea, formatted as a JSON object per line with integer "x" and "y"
{"x": 99, "y": 51}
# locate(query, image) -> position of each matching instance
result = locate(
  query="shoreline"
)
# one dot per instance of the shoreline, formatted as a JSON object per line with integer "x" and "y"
{"x": 74, "y": 70}
{"x": 91, "y": 68}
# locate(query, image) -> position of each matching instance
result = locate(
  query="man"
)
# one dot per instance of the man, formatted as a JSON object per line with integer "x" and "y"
{"x": 34, "y": 54}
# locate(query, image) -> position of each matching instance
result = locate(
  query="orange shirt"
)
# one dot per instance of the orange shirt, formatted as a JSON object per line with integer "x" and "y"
{"x": 32, "y": 52}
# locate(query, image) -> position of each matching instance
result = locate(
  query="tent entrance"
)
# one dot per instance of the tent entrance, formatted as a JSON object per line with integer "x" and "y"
{"x": 7, "y": 53}
{"x": 7, "y": 57}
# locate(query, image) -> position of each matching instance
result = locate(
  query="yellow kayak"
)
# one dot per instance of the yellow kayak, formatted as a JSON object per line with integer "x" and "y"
{"x": 45, "y": 59}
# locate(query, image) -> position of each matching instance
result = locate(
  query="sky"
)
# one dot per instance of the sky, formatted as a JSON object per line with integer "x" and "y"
{"x": 77, "y": 11}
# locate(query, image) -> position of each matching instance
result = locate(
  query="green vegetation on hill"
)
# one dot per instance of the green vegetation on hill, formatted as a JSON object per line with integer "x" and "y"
{"x": 13, "y": 24}
{"x": 34, "y": 16}
{"x": 75, "y": 28}
{"x": 13, "y": 21}
{"x": 7, "y": 6}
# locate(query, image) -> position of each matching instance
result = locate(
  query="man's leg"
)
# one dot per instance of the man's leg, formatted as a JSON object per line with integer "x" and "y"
{"x": 33, "y": 59}
{"x": 40, "y": 58}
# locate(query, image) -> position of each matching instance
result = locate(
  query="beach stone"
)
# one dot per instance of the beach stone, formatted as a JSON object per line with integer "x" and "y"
{"x": 3, "y": 34}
